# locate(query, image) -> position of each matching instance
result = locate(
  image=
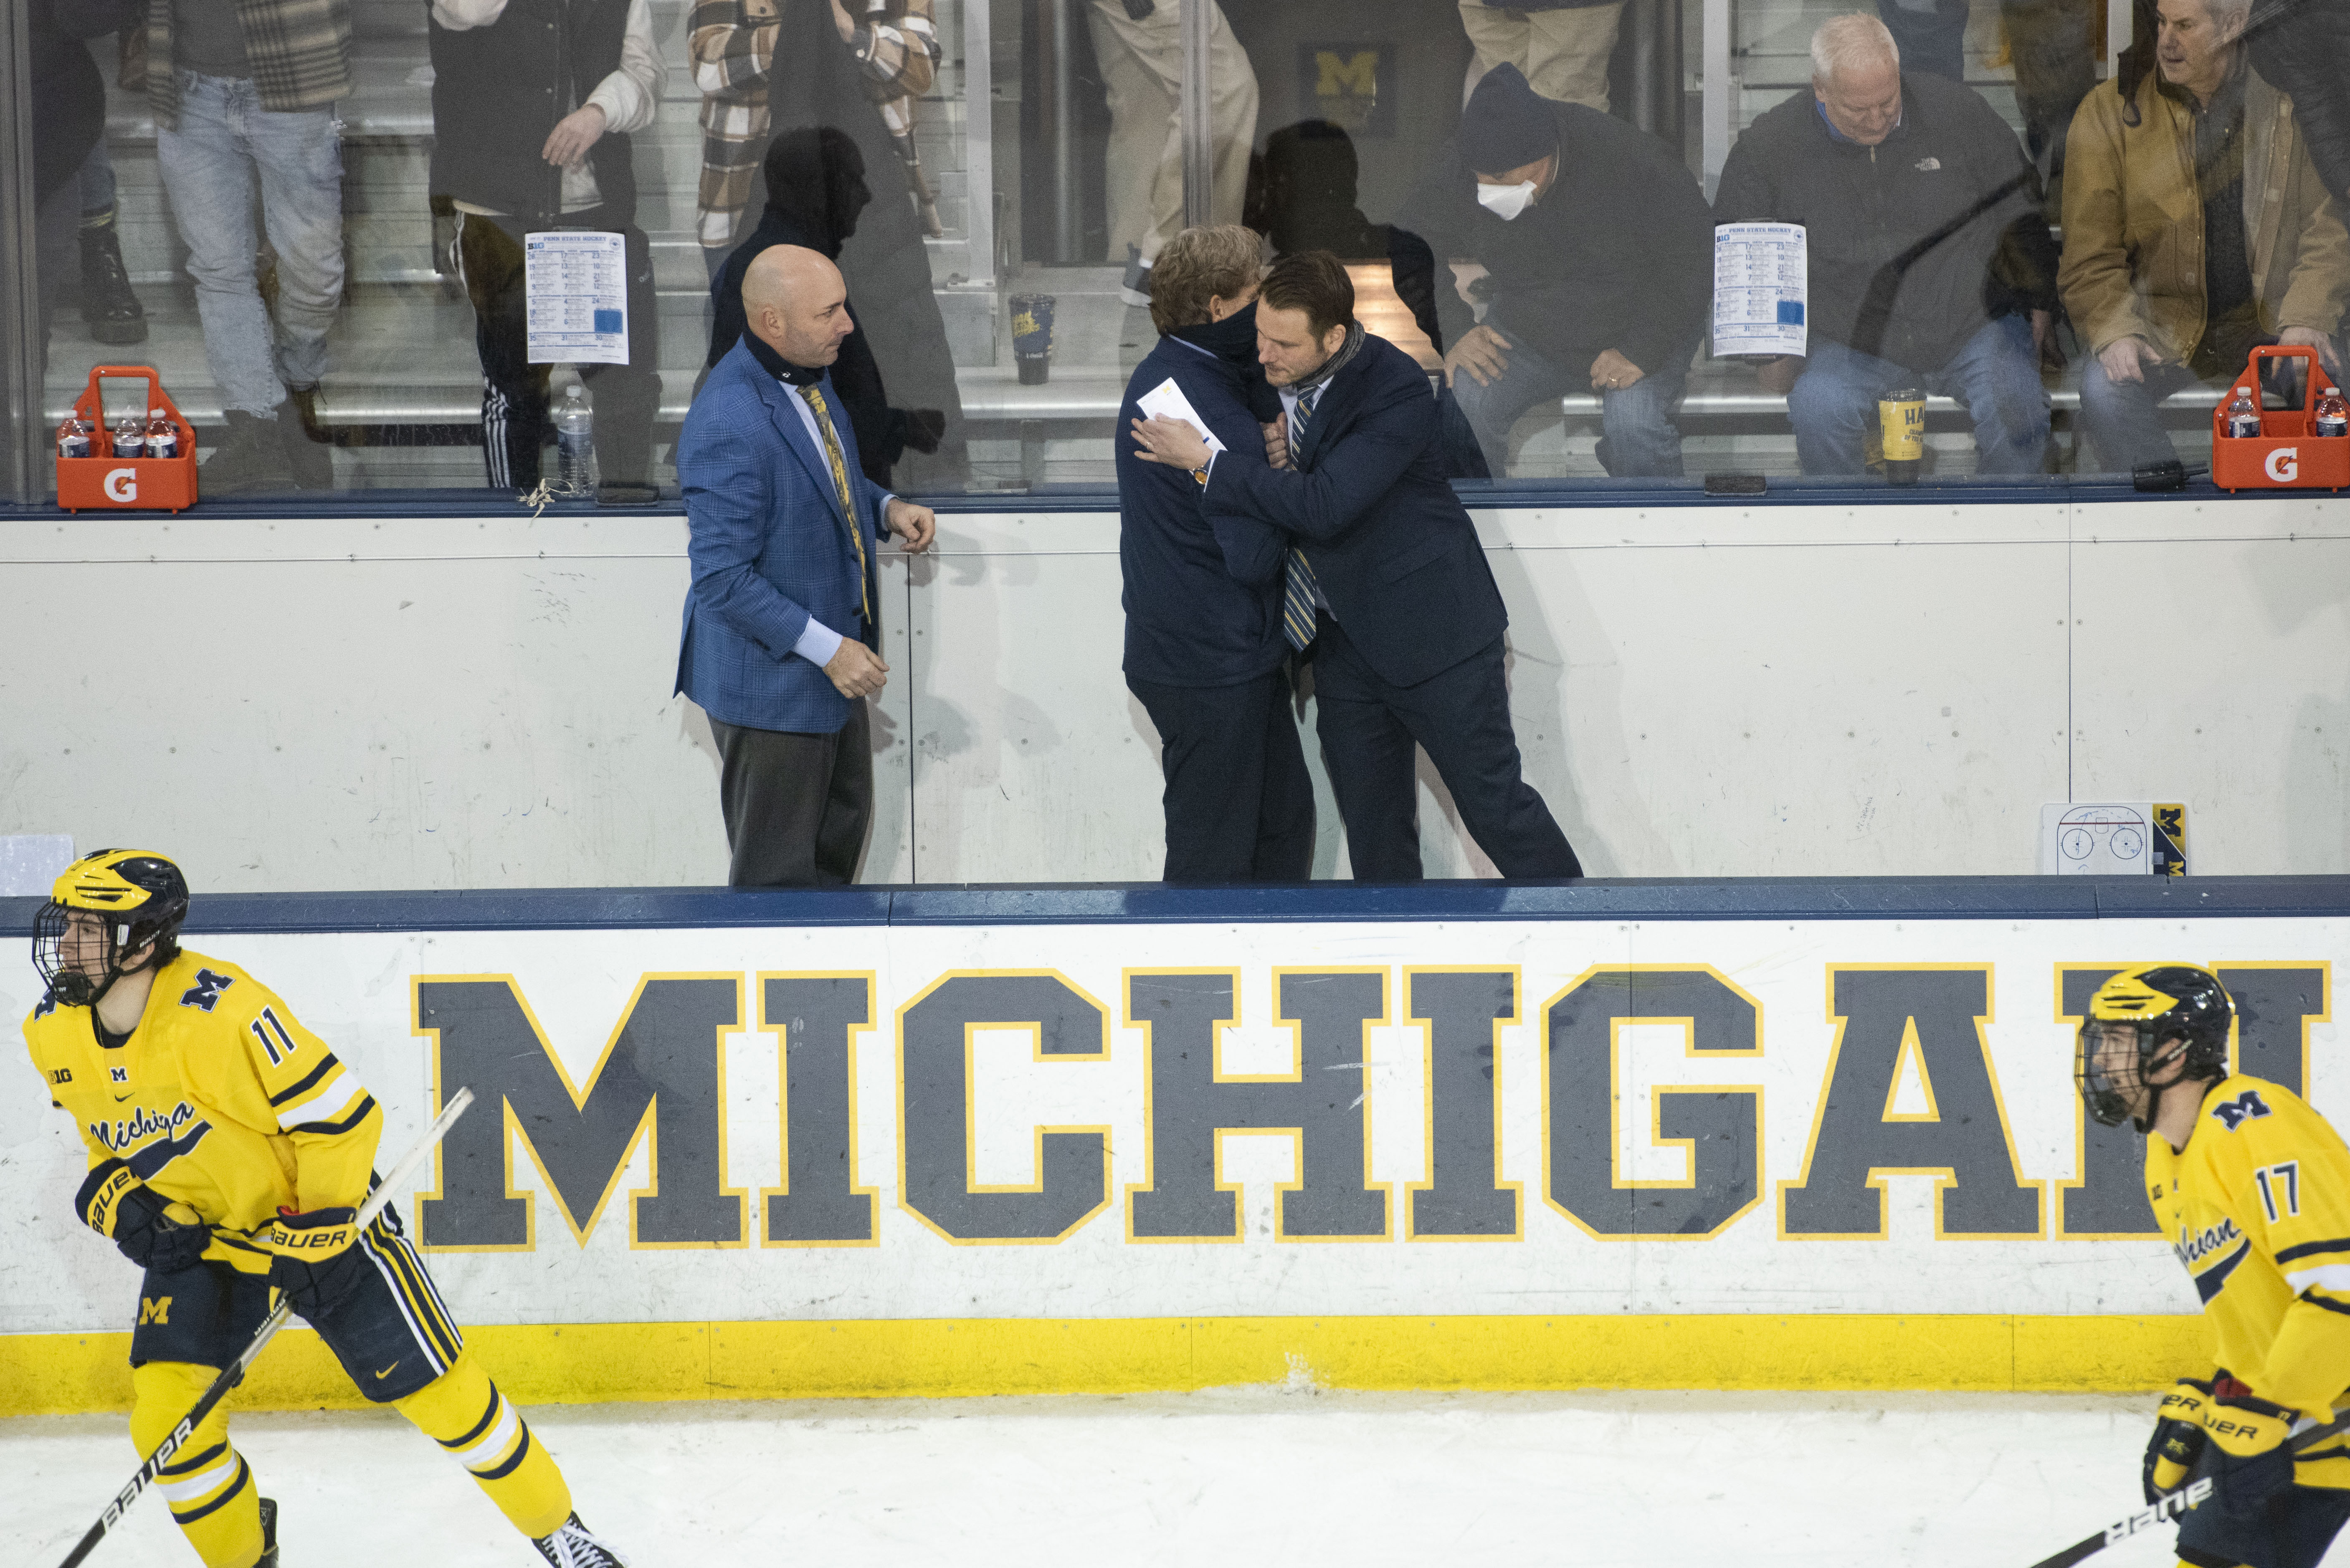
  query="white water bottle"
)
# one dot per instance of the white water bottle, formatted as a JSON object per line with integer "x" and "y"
{"x": 2333, "y": 414}
{"x": 575, "y": 444}
{"x": 2243, "y": 416}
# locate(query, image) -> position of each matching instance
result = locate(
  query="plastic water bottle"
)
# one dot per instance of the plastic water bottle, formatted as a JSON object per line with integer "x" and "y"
{"x": 575, "y": 444}
{"x": 2243, "y": 415}
{"x": 73, "y": 438}
{"x": 2333, "y": 414}
{"x": 162, "y": 435}
{"x": 131, "y": 436}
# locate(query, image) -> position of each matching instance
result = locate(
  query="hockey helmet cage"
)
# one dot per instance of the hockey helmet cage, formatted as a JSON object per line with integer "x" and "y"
{"x": 121, "y": 901}
{"x": 2150, "y": 1006}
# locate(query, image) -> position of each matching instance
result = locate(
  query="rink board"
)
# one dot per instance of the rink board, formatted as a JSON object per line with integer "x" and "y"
{"x": 1783, "y": 1135}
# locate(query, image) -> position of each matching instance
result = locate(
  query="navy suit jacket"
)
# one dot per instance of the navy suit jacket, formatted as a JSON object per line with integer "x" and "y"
{"x": 1202, "y": 594}
{"x": 769, "y": 547}
{"x": 1389, "y": 541}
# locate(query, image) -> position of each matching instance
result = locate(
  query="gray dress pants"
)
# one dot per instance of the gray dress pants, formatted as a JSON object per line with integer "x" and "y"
{"x": 797, "y": 806}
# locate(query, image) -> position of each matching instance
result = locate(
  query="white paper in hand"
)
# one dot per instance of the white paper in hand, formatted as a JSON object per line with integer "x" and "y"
{"x": 1166, "y": 401}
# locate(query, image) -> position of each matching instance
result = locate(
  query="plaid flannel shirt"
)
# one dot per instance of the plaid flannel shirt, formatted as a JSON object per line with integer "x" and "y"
{"x": 301, "y": 52}
{"x": 732, "y": 46}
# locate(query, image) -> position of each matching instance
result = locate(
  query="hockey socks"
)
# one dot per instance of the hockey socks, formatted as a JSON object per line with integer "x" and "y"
{"x": 207, "y": 1483}
{"x": 464, "y": 1413}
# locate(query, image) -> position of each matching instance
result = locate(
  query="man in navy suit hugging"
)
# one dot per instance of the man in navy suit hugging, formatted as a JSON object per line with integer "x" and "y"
{"x": 1204, "y": 651}
{"x": 781, "y": 623}
{"x": 1383, "y": 585}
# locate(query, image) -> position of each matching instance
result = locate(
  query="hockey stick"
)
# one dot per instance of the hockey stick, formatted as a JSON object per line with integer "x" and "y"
{"x": 2168, "y": 1511}
{"x": 234, "y": 1373}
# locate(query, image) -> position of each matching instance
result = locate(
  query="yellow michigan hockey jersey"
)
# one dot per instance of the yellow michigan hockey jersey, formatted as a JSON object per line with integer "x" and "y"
{"x": 2257, "y": 1206}
{"x": 220, "y": 1100}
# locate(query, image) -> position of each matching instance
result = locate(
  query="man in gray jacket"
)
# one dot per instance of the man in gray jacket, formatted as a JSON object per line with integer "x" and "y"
{"x": 1931, "y": 264}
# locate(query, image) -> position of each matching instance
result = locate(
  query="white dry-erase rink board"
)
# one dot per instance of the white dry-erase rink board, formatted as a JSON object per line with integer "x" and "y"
{"x": 1628, "y": 1100}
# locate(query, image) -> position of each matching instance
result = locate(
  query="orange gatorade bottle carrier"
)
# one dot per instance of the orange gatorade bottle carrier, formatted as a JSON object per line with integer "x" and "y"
{"x": 102, "y": 482}
{"x": 2288, "y": 453}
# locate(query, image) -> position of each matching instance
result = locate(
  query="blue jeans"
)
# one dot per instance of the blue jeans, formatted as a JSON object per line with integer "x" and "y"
{"x": 2119, "y": 416}
{"x": 210, "y": 164}
{"x": 1995, "y": 374}
{"x": 94, "y": 183}
{"x": 1637, "y": 437}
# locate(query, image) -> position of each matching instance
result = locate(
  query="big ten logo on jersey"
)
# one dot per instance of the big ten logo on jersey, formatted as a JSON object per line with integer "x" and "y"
{"x": 206, "y": 993}
{"x": 2233, "y": 1114}
{"x": 61, "y": 1075}
{"x": 1890, "y": 1072}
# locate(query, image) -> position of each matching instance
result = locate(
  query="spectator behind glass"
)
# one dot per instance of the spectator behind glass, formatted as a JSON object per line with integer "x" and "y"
{"x": 1592, "y": 244}
{"x": 1302, "y": 196}
{"x": 244, "y": 95}
{"x": 532, "y": 101}
{"x": 2053, "y": 45}
{"x": 2195, "y": 229}
{"x": 1560, "y": 47}
{"x": 1140, "y": 44}
{"x": 68, "y": 121}
{"x": 807, "y": 79}
{"x": 1930, "y": 263}
{"x": 815, "y": 188}
{"x": 895, "y": 51}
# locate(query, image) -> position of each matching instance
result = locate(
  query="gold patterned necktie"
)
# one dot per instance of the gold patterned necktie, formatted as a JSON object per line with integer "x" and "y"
{"x": 814, "y": 396}
{"x": 1298, "y": 588}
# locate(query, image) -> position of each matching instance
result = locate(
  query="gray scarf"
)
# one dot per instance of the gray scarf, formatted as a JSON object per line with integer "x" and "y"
{"x": 1334, "y": 364}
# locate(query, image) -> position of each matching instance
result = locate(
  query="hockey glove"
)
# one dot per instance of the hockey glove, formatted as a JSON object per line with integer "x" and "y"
{"x": 2252, "y": 1462}
{"x": 132, "y": 1215}
{"x": 315, "y": 1263}
{"x": 2178, "y": 1438}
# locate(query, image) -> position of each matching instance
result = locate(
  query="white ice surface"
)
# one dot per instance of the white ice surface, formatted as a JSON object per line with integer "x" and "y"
{"x": 1228, "y": 1478}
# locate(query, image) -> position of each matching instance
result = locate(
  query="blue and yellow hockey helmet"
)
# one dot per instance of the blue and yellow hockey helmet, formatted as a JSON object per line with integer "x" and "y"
{"x": 102, "y": 907}
{"x": 2132, "y": 1019}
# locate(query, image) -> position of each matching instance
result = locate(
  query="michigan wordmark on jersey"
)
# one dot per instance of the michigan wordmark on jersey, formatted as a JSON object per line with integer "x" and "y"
{"x": 219, "y": 1100}
{"x": 2257, "y": 1207}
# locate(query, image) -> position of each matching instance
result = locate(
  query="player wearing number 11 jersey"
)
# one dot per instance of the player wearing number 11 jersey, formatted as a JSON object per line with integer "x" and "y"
{"x": 2251, "y": 1190}
{"x": 229, "y": 1152}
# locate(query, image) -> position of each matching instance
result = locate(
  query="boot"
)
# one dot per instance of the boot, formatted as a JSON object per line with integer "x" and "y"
{"x": 570, "y": 1546}
{"x": 249, "y": 460}
{"x": 268, "y": 1533}
{"x": 310, "y": 450}
{"x": 112, "y": 311}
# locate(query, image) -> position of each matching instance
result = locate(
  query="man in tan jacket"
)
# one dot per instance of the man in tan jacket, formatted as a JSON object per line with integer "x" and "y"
{"x": 2195, "y": 229}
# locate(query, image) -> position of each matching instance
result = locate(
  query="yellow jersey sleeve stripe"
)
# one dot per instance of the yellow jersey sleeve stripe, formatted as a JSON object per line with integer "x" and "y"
{"x": 336, "y": 1093}
{"x": 344, "y": 1125}
{"x": 2334, "y": 1277}
{"x": 2312, "y": 1248}
{"x": 2313, "y": 1299}
{"x": 309, "y": 1081}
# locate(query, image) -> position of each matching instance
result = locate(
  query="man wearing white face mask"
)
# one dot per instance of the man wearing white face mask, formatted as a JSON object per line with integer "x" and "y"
{"x": 1592, "y": 243}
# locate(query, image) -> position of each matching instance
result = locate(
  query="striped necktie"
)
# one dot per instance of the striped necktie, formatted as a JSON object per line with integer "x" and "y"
{"x": 814, "y": 396}
{"x": 1297, "y": 592}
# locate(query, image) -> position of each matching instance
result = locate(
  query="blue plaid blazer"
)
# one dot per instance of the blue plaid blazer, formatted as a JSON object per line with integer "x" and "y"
{"x": 770, "y": 548}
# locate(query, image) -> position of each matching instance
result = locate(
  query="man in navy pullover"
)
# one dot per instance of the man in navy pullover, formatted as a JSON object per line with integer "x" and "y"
{"x": 1204, "y": 649}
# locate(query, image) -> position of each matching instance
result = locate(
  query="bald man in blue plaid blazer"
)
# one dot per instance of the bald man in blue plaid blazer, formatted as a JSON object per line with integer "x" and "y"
{"x": 781, "y": 640}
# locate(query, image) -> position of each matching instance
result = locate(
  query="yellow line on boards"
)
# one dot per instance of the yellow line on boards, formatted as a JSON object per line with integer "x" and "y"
{"x": 46, "y": 1374}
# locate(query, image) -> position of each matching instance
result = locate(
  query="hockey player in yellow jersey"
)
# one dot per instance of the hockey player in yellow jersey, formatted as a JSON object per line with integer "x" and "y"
{"x": 2251, "y": 1189}
{"x": 229, "y": 1151}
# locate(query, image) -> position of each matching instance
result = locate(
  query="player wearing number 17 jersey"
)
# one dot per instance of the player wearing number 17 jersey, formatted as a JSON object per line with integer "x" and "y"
{"x": 2251, "y": 1189}
{"x": 229, "y": 1152}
